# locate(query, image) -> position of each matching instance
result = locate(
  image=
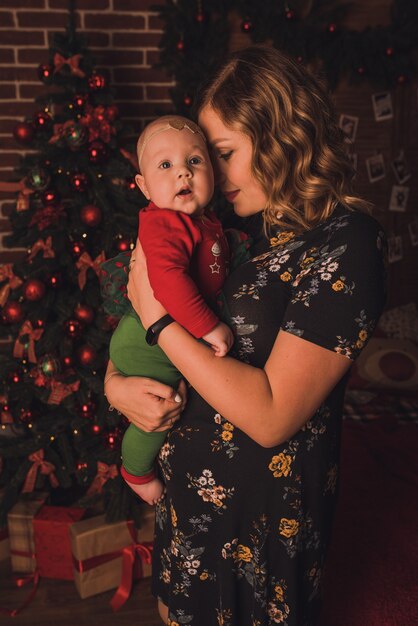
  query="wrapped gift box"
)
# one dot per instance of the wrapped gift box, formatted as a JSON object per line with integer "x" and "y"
{"x": 19, "y": 522}
{"x": 98, "y": 552}
{"x": 52, "y": 540}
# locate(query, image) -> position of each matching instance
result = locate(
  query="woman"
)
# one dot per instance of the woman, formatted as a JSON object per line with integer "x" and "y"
{"x": 251, "y": 468}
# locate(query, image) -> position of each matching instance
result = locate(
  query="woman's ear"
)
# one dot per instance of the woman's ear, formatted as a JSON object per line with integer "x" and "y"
{"x": 140, "y": 181}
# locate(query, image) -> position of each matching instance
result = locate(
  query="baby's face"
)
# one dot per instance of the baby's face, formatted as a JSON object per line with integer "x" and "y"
{"x": 176, "y": 172}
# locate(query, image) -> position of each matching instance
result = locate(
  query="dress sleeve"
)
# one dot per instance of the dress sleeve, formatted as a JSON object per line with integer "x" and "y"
{"x": 339, "y": 288}
{"x": 169, "y": 239}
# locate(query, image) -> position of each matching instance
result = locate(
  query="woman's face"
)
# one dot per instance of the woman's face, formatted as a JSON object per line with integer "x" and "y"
{"x": 231, "y": 152}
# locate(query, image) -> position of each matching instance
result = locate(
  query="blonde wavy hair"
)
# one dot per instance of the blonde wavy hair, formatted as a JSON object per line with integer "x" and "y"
{"x": 299, "y": 156}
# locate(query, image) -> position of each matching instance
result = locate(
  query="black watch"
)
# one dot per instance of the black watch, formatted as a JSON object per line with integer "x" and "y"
{"x": 154, "y": 330}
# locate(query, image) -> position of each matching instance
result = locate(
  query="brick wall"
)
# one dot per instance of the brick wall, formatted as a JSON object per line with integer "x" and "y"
{"x": 123, "y": 36}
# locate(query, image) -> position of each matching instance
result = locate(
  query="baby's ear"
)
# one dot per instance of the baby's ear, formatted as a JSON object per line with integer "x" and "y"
{"x": 140, "y": 181}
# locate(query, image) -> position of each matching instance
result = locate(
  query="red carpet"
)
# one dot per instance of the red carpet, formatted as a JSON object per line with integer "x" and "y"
{"x": 371, "y": 576}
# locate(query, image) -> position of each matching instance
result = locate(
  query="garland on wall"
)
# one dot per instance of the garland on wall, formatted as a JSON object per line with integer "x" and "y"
{"x": 197, "y": 33}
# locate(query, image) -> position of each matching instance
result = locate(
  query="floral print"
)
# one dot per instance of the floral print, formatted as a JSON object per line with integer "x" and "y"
{"x": 242, "y": 532}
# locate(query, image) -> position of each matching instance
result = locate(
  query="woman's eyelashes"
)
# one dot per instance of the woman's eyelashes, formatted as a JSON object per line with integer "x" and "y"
{"x": 225, "y": 155}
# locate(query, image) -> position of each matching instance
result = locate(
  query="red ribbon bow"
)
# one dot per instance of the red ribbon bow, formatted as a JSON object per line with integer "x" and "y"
{"x": 20, "y": 582}
{"x": 129, "y": 556}
{"x": 24, "y": 192}
{"x": 84, "y": 263}
{"x": 6, "y": 273}
{"x": 104, "y": 473}
{"x": 45, "y": 245}
{"x": 59, "y": 130}
{"x": 26, "y": 330}
{"x": 72, "y": 62}
{"x": 46, "y": 468}
{"x": 60, "y": 390}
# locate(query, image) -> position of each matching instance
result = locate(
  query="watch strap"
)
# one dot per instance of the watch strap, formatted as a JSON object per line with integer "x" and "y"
{"x": 151, "y": 336}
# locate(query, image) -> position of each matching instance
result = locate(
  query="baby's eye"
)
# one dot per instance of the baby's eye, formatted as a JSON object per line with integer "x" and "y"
{"x": 195, "y": 160}
{"x": 225, "y": 155}
{"x": 165, "y": 165}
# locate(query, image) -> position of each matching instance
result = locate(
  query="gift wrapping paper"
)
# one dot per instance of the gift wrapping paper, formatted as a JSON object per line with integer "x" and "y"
{"x": 19, "y": 522}
{"x": 52, "y": 540}
{"x": 97, "y": 552}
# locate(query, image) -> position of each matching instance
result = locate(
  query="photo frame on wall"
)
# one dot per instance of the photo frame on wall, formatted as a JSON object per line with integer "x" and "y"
{"x": 400, "y": 168}
{"x": 395, "y": 249}
{"x": 382, "y": 106}
{"x": 399, "y": 198}
{"x": 375, "y": 168}
{"x": 349, "y": 125}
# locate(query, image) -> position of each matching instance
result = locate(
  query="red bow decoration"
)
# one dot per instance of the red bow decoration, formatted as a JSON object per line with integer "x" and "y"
{"x": 60, "y": 390}
{"x": 84, "y": 263}
{"x": 96, "y": 119}
{"x": 45, "y": 467}
{"x": 104, "y": 473}
{"x": 6, "y": 273}
{"x": 26, "y": 341}
{"x": 45, "y": 245}
{"x": 129, "y": 555}
{"x": 6, "y": 417}
{"x": 59, "y": 130}
{"x": 72, "y": 62}
{"x": 47, "y": 216}
{"x": 23, "y": 196}
{"x": 131, "y": 157}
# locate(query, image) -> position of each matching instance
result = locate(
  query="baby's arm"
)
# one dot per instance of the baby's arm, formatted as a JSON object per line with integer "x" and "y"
{"x": 220, "y": 339}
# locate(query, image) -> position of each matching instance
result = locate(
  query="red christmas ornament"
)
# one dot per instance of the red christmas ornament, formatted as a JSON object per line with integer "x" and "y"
{"x": 332, "y": 28}
{"x": 25, "y": 415}
{"x": 73, "y": 328}
{"x": 88, "y": 409}
{"x": 86, "y": 355}
{"x": 79, "y": 102}
{"x": 187, "y": 101}
{"x": 55, "y": 281}
{"x": 96, "y": 82}
{"x": 299, "y": 59}
{"x": 24, "y": 132}
{"x": 131, "y": 184}
{"x": 90, "y": 215}
{"x": 67, "y": 361}
{"x": 123, "y": 244}
{"x": 50, "y": 197}
{"x": 79, "y": 182}
{"x": 77, "y": 249}
{"x": 247, "y": 26}
{"x": 200, "y": 17}
{"x": 361, "y": 70}
{"x": 34, "y": 290}
{"x": 42, "y": 121}
{"x": 180, "y": 45}
{"x": 84, "y": 313}
{"x": 112, "y": 112}
{"x": 96, "y": 429}
{"x": 98, "y": 152}
{"x": 12, "y": 312}
{"x": 389, "y": 52}
{"x": 45, "y": 72}
{"x": 290, "y": 14}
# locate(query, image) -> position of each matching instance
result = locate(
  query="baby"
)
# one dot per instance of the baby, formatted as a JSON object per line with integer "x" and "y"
{"x": 187, "y": 259}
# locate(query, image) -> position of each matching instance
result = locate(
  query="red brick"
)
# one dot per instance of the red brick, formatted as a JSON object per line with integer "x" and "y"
{"x": 6, "y": 19}
{"x": 8, "y": 208}
{"x": 130, "y": 92}
{"x": 6, "y": 126}
{"x": 5, "y": 226}
{"x": 113, "y": 21}
{"x": 154, "y": 92}
{"x": 136, "y": 40}
{"x": 96, "y": 39}
{"x": 9, "y": 159}
{"x": 18, "y": 73}
{"x": 153, "y": 57}
{"x": 132, "y": 5}
{"x": 143, "y": 109}
{"x": 8, "y": 92}
{"x": 29, "y": 55}
{"x": 44, "y": 19}
{"x": 33, "y": 90}
{"x": 8, "y": 109}
{"x": 12, "y": 256}
{"x": 119, "y": 57}
{"x": 139, "y": 75}
{"x": 86, "y": 4}
{"x": 6, "y": 56}
{"x": 22, "y": 38}
{"x": 155, "y": 23}
{"x": 8, "y": 142}
{"x": 23, "y": 4}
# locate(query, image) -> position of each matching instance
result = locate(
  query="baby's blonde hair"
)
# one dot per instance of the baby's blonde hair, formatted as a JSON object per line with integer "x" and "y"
{"x": 299, "y": 156}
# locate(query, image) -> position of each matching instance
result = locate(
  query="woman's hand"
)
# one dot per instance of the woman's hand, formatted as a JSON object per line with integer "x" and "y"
{"x": 150, "y": 405}
{"x": 139, "y": 289}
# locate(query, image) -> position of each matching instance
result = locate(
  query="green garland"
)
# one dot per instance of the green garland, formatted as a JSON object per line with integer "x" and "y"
{"x": 197, "y": 33}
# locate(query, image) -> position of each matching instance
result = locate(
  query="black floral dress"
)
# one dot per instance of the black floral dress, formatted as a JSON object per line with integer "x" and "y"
{"x": 242, "y": 533}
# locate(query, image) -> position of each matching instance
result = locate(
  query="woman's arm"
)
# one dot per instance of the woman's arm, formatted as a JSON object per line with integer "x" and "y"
{"x": 147, "y": 403}
{"x": 270, "y": 404}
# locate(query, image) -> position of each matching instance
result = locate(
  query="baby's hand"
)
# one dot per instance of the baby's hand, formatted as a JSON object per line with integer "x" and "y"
{"x": 220, "y": 339}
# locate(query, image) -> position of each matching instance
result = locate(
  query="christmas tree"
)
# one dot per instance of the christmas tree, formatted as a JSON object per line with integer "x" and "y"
{"x": 77, "y": 205}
